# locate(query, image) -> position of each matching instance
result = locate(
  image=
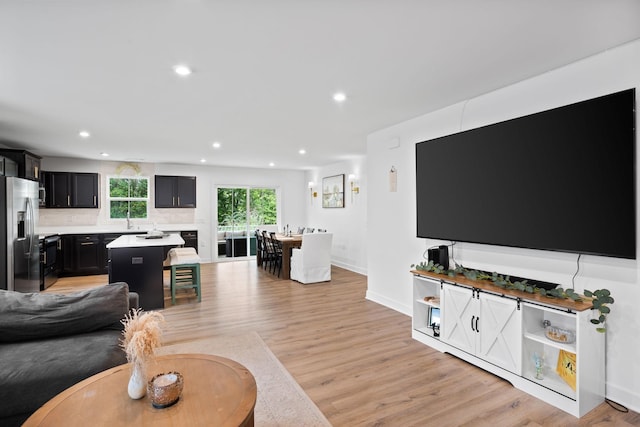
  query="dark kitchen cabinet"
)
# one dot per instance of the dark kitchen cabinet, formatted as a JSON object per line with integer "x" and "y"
{"x": 67, "y": 255}
{"x": 71, "y": 190}
{"x": 88, "y": 254}
{"x": 28, "y": 163}
{"x": 83, "y": 254}
{"x": 84, "y": 190}
{"x": 190, "y": 239}
{"x": 8, "y": 167}
{"x": 106, "y": 239}
{"x": 175, "y": 191}
{"x": 56, "y": 185}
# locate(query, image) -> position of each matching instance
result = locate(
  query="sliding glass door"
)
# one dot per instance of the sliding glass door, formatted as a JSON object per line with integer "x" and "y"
{"x": 242, "y": 210}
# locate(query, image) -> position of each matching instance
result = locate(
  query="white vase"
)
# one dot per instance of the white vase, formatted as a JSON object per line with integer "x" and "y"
{"x": 138, "y": 382}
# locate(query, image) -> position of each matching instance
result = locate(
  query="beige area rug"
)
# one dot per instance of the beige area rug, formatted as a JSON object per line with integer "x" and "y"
{"x": 281, "y": 401}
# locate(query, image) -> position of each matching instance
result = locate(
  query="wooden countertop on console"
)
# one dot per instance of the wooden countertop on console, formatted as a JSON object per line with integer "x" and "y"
{"x": 490, "y": 287}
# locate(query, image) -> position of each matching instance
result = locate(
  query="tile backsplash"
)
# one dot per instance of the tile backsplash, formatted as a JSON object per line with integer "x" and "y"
{"x": 75, "y": 217}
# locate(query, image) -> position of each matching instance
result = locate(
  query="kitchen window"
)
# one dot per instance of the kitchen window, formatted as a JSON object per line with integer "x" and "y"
{"x": 128, "y": 197}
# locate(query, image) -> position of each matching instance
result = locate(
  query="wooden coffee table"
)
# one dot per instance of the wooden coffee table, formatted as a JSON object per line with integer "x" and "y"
{"x": 217, "y": 392}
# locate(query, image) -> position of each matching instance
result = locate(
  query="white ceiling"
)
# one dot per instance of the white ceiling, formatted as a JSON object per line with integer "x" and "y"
{"x": 265, "y": 70}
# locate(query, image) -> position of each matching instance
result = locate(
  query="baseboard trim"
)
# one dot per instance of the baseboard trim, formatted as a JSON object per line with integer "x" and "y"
{"x": 392, "y": 304}
{"x": 624, "y": 397}
{"x": 350, "y": 267}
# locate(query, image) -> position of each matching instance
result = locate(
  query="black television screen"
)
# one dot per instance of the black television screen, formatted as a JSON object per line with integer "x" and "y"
{"x": 562, "y": 180}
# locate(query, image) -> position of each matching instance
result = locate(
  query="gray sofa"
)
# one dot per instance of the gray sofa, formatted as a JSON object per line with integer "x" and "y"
{"x": 49, "y": 342}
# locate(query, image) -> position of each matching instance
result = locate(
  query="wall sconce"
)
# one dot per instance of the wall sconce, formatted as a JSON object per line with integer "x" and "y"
{"x": 313, "y": 193}
{"x": 355, "y": 188}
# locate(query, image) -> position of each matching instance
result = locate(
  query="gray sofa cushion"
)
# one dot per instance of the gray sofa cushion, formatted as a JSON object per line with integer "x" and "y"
{"x": 25, "y": 316}
{"x": 33, "y": 372}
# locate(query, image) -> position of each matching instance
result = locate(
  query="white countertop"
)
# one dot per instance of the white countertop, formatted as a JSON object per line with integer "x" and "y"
{"x": 111, "y": 229}
{"x": 139, "y": 241}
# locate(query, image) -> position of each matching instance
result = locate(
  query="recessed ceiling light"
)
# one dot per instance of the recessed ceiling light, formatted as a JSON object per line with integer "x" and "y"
{"x": 216, "y": 144}
{"x": 182, "y": 70}
{"x": 302, "y": 151}
{"x": 339, "y": 97}
{"x": 104, "y": 154}
{"x": 272, "y": 164}
{"x": 84, "y": 134}
{"x": 203, "y": 160}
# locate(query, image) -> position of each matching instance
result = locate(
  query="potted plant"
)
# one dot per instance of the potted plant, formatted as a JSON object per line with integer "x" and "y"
{"x": 141, "y": 336}
{"x": 601, "y": 298}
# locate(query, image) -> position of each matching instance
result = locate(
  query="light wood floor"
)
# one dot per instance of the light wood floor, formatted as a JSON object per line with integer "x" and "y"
{"x": 354, "y": 358}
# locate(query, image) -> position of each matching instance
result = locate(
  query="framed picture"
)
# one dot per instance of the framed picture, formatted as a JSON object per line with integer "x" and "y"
{"x": 333, "y": 191}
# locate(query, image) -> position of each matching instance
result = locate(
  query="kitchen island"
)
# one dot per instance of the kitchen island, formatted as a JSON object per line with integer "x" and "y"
{"x": 137, "y": 259}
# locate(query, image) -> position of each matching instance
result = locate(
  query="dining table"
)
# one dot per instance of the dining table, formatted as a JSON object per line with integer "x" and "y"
{"x": 288, "y": 242}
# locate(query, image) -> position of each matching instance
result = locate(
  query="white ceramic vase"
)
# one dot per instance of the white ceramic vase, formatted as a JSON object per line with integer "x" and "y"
{"x": 138, "y": 382}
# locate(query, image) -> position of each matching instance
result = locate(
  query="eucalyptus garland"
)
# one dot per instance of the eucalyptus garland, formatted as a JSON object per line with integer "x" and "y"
{"x": 601, "y": 298}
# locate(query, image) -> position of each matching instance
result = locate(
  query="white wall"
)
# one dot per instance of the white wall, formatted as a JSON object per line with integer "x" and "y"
{"x": 348, "y": 224}
{"x": 389, "y": 281}
{"x": 291, "y": 185}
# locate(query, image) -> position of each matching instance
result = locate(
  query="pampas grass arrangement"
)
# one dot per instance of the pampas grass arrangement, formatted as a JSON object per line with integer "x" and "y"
{"x": 141, "y": 336}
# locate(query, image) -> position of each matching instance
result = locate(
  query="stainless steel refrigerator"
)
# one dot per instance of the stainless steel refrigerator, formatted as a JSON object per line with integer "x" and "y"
{"x": 19, "y": 253}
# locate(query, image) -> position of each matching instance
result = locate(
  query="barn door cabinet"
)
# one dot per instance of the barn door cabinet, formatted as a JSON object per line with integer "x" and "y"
{"x": 485, "y": 325}
{"x": 503, "y": 332}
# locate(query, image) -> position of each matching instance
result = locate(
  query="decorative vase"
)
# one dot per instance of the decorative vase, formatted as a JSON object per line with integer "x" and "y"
{"x": 138, "y": 382}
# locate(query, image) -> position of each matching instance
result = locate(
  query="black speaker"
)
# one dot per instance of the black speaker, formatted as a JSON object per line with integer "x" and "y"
{"x": 443, "y": 251}
{"x": 434, "y": 255}
{"x": 439, "y": 255}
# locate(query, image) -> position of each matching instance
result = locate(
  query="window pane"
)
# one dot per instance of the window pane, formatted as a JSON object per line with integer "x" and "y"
{"x": 139, "y": 187}
{"x": 240, "y": 209}
{"x": 263, "y": 207}
{"x": 138, "y": 209}
{"x": 128, "y": 187}
{"x": 118, "y": 187}
{"x": 119, "y": 209}
{"x": 232, "y": 208}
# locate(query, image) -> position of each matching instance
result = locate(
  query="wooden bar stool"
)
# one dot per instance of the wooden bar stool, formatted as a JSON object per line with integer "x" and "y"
{"x": 185, "y": 271}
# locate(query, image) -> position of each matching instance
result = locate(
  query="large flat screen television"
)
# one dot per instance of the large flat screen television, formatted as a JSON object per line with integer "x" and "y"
{"x": 560, "y": 180}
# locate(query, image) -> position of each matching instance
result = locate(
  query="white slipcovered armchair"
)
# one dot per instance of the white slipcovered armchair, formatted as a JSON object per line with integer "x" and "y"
{"x": 312, "y": 262}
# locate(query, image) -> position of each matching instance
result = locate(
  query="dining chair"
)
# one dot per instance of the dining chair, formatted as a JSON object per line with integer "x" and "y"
{"x": 276, "y": 247}
{"x": 300, "y": 230}
{"x": 260, "y": 249}
{"x": 311, "y": 263}
{"x": 269, "y": 253}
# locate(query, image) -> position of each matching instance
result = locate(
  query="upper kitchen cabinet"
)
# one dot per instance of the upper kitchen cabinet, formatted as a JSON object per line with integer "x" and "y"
{"x": 28, "y": 163}
{"x": 8, "y": 167}
{"x": 175, "y": 191}
{"x": 71, "y": 190}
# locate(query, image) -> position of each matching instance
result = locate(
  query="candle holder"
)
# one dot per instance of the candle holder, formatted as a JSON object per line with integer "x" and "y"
{"x": 164, "y": 389}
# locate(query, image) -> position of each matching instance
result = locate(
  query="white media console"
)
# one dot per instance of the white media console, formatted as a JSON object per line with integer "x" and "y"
{"x": 503, "y": 332}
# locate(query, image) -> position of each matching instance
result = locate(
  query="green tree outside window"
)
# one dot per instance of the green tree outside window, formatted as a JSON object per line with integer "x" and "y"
{"x": 232, "y": 207}
{"x": 129, "y": 194}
